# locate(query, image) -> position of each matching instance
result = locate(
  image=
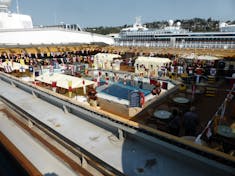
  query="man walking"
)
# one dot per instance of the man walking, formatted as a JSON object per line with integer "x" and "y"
{"x": 191, "y": 121}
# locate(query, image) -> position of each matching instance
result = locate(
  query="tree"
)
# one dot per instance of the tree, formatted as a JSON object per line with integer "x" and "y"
{"x": 194, "y": 25}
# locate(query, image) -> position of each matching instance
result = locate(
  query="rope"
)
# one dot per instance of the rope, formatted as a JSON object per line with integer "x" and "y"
{"x": 222, "y": 108}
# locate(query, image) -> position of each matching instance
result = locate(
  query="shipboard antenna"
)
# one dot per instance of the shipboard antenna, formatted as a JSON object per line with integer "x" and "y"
{"x": 17, "y": 7}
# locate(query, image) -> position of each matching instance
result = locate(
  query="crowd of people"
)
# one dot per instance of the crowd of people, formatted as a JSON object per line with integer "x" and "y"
{"x": 188, "y": 122}
{"x": 178, "y": 66}
{"x": 47, "y": 59}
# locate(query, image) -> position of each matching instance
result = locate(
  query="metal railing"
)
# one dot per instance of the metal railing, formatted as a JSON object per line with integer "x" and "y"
{"x": 200, "y": 45}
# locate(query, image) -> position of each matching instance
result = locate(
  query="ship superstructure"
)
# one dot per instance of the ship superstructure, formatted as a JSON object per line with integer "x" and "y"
{"x": 17, "y": 30}
{"x": 174, "y": 36}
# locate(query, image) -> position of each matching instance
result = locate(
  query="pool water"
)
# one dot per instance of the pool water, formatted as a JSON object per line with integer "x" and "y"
{"x": 122, "y": 91}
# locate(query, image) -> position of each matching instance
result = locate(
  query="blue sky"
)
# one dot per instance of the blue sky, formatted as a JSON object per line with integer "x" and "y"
{"x": 90, "y": 13}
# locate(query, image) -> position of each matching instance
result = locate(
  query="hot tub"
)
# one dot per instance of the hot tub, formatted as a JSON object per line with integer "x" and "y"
{"x": 115, "y": 97}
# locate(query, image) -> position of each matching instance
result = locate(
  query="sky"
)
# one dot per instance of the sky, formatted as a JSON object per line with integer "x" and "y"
{"x": 94, "y": 13}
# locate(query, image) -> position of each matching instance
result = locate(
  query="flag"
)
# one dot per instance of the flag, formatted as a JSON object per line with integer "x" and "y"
{"x": 198, "y": 139}
{"x": 30, "y": 68}
{"x": 22, "y": 61}
{"x": 107, "y": 80}
{"x": 153, "y": 82}
{"x": 208, "y": 129}
{"x": 208, "y": 132}
{"x": 70, "y": 89}
{"x": 22, "y": 69}
{"x": 51, "y": 69}
{"x": 124, "y": 80}
{"x": 8, "y": 69}
{"x": 84, "y": 86}
{"x": 53, "y": 85}
{"x": 193, "y": 90}
{"x": 98, "y": 81}
{"x": 72, "y": 69}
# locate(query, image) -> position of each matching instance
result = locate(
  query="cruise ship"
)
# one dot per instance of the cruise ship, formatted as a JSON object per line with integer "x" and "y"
{"x": 78, "y": 113}
{"x": 173, "y": 36}
{"x": 17, "y": 30}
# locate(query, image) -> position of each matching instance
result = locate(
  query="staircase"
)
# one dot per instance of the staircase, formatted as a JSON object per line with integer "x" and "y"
{"x": 210, "y": 91}
{"x": 211, "y": 80}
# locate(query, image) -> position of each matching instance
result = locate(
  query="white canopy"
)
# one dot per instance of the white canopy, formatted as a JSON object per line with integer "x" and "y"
{"x": 152, "y": 60}
{"x": 14, "y": 65}
{"x": 209, "y": 58}
{"x": 106, "y": 56}
{"x": 63, "y": 80}
{"x": 189, "y": 56}
{"x": 201, "y": 57}
{"x": 104, "y": 60}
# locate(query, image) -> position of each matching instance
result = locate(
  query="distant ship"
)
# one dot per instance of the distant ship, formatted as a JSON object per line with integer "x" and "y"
{"x": 17, "y": 30}
{"x": 176, "y": 37}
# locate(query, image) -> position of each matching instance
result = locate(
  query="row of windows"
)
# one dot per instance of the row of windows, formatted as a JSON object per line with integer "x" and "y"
{"x": 205, "y": 39}
{"x": 176, "y": 45}
{"x": 177, "y": 39}
{"x": 142, "y": 39}
{"x": 196, "y": 42}
{"x": 152, "y": 34}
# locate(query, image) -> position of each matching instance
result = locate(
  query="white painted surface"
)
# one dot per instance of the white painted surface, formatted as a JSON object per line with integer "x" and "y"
{"x": 51, "y": 36}
{"x": 41, "y": 158}
{"x": 15, "y": 21}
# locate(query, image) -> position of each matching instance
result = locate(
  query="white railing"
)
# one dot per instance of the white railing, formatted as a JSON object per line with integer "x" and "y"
{"x": 203, "y": 45}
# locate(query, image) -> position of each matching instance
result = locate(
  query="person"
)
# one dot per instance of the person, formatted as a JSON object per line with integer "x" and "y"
{"x": 174, "y": 124}
{"x": 191, "y": 122}
{"x": 157, "y": 89}
{"x": 130, "y": 62}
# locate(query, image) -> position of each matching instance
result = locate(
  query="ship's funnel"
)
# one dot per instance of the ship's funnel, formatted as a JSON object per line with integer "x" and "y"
{"x": 4, "y": 4}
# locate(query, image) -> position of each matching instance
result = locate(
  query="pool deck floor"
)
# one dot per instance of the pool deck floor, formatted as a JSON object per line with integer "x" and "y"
{"x": 131, "y": 156}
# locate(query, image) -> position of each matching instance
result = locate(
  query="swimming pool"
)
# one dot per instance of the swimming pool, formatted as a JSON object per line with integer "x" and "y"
{"x": 122, "y": 91}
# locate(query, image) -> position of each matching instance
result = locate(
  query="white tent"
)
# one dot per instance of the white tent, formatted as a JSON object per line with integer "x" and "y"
{"x": 189, "y": 56}
{"x": 13, "y": 65}
{"x": 208, "y": 58}
{"x": 201, "y": 57}
{"x": 63, "y": 80}
{"x": 104, "y": 60}
{"x": 149, "y": 65}
{"x": 152, "y": 60}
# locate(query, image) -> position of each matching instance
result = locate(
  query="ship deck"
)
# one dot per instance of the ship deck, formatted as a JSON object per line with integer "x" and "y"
{"x": 132, "y": 156}
{"x": 30, "y": 148}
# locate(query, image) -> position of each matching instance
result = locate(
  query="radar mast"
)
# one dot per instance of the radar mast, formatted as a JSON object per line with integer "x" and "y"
{"x": 4, "y": 5}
